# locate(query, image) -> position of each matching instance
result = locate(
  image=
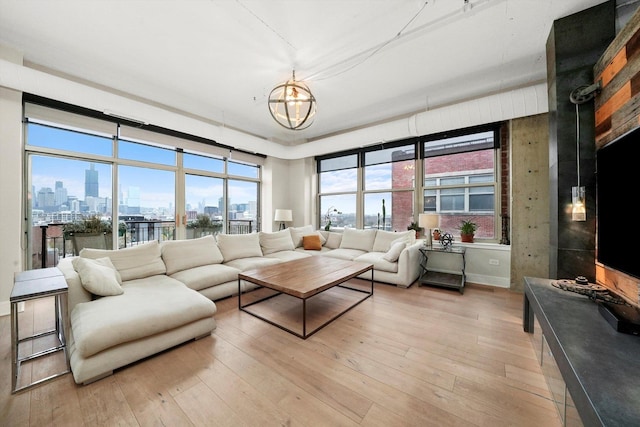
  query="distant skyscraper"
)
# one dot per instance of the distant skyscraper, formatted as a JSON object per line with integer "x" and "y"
{"x": 133, "y": 200}
{"x": 91, "y": 182}
{"x": 60, "y": 194}
{"x": 211, "y": 210}
{"x": 46, "y": 199}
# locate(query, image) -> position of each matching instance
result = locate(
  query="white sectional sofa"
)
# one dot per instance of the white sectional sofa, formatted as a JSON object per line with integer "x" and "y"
{"x": 128, "y": 304}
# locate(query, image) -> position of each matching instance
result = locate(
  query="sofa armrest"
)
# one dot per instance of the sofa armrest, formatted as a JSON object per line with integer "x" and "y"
{"x": 409, "y": 263}
{"x": 77, "y": 293}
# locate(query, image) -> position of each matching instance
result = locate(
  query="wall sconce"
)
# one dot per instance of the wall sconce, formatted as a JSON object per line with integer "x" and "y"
{"x": 428, "y": 222}
{"x": 578, "y": 206}
{"x": 578, "y": 96}
{"x": 578, "y": 209}
{"x": 283, "y": 215}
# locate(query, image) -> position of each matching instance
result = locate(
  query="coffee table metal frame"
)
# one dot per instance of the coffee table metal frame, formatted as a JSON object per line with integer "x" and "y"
{"x": 303, "y": 298}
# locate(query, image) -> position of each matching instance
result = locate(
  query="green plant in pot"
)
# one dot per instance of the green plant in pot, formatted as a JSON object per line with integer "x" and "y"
{"x": 92, "y": 232}
{"x": 327, "y": 218}
{"x": 203, "y": 226}
{"x": 467, "y": 230}
{"x": 92, "y": 224}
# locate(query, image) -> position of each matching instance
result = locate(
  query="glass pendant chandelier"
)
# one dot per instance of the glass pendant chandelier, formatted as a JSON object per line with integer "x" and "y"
{"x": 292, "y": 104}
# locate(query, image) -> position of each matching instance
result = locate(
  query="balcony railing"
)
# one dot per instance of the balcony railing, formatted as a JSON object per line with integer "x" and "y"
{"x": 241, "y": 226}
{"x": 136, "y": 232}
{"x": 49, "y": 242}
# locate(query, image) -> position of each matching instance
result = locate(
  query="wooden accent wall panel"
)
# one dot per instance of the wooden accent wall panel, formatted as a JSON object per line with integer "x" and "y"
{"x": 617, "y": 111}
{"x": 617, "y": 107}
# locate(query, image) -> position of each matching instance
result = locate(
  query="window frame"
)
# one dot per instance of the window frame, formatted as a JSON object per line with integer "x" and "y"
{"x": 419, "y": 185}
{"x": 68, "y": 118}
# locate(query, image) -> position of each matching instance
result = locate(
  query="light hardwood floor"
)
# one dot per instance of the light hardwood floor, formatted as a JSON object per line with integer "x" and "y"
{"x": 421, "y": 356}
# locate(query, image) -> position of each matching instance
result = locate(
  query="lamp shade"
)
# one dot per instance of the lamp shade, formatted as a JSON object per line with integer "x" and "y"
{"x": 283, "y": 215}
{"x": 428, "y": 221}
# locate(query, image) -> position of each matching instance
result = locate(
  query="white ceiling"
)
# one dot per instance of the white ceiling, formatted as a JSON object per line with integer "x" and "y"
{"x": 366, "y": 61}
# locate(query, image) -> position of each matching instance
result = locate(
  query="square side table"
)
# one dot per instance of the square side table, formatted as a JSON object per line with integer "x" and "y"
{"x": 29, "y": 285}
{"x": 436, "y": 278}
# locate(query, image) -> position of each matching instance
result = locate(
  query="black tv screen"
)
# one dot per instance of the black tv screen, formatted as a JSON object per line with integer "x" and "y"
{"x": 617, "y": 176}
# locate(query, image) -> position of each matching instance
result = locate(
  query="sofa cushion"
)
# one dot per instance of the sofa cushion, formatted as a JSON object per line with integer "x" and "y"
{"x": 348, "y": 254}
{"x": 275, "y": 242}
{"x": 358, "y": 239}
{"x": 312, "y": 242}
{"x": 244, "y": 264}
{"x": 322, "y": 251}
{"x": 235, "y": 246}
{"x": 98, "y": 276}
{"x": 206, "y": 276}
{"x": 378, "y": 261}
{"x": 333, "y": 240}
{"x": 289, "y": 255}
{"x": 384, "y": 239}
{"x": 135, "y": 262}
{"x": 298, "y": 232}
{"x": 147, "y": 307}
{"x": 394, "y": 251}
{"x": 181, "y": 255}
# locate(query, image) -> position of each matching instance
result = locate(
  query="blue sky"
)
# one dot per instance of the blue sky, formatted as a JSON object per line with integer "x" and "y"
{"x": 157, "y": 187}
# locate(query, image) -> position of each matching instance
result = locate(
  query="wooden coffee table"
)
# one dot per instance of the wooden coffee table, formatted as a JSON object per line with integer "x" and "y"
{"x": 303, "y": 279}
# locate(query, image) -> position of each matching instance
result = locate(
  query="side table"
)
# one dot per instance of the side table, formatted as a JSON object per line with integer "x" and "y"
{"x": 437, "y": 278}
{"x": 29, "y": 285}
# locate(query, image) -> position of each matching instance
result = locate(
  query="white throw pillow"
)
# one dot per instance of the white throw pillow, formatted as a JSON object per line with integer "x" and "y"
{"x": 275, "y": 242}
{"x": 384, "y": 239}
{"x": 298, "y": 232}
{"x": 333, "y": 240}
{"x": 135, "y": 262}
{"x": 179, "y": 255}
{"x": 394, "y": 252}
{"x": 358, "y": 239}
{"x": 98, "y": 276}
{"x": 235, "y": 246}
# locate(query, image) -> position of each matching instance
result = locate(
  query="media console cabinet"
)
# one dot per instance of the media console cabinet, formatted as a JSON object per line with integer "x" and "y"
{"x": 599, "y": 368}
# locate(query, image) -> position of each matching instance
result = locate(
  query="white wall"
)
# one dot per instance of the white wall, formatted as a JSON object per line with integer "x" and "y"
{"x": 485, "y": 263}
{"x": 302, "y": 191}
{"x": 288, "y": 184}
{"x": 275, "y": 194}
{"x": 10, "y": 185}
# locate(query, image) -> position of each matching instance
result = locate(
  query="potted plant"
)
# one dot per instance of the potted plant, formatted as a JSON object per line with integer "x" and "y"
{"x": 327, "y": 218}
{"x": 93, "y": 232}
{"x": 414, "y": 226}
{"x": 203, "y": 226}
{"x": 467, "y": 230}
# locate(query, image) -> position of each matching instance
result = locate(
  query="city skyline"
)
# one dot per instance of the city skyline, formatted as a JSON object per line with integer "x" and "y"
{"x": 86, "y": 184}
{"x": 60, "y": 205}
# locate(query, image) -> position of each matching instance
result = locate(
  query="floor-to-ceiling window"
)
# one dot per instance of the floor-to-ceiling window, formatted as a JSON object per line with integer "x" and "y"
{"x": 131, "y": 185}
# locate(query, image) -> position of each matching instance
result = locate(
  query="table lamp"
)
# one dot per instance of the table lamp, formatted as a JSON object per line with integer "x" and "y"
{"x": 283, "y": 215}
{"x": 428, "y": 222}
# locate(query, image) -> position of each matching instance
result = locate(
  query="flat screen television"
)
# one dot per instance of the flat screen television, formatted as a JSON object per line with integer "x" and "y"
{"x": 618, "y": 178}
